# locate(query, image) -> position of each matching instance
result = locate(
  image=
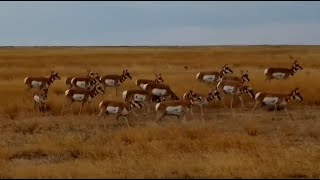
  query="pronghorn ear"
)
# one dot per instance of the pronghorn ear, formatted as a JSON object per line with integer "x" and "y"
{"x": 156, "y": 74}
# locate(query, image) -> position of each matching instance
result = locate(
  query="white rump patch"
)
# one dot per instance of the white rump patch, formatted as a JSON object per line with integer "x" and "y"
{"x": 229, "y": 89}
{"x": 143, "y": 86}
{"x": 124, "y": 94}
{"x": 112, "y": 109}
{"x": 36, "y": 83}
{"x": 197, "y": 76}
{"x": 175, "y": 110}
{"x": 139, "y": 97}
{"x": 157, "y": 106}
{"x": 158, "y": 92}
{"x": 266, "y": 71}
{"x": 208, "y": 78}
{"x": 278, "y": 75}
{"x": 38, "y": 99}
{"x": 25, "y": 79}
{"x": 78, "y": 97}
{"x": 110, "y": 82}
{"x": 270, "y": 100}
{"x": 81, "y": 84}
{"x": 257, "y": 95}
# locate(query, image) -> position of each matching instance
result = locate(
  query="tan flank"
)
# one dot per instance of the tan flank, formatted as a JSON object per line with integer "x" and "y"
{"x": 89, "y": 74}
{"x": 114, "y": 80}
{"x": 141, "y": 82}
{"x": 41, "y": 82}
{"x": 243, "y": 78}
{"x": 117, "y": 108}
{"x": 282, "y": 73}
{"x": 81, "y": 95}
{"x": 276, "y": 99}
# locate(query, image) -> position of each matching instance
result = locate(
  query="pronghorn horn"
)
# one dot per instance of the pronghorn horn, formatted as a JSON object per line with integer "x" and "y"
{"x": 156, "y": 74}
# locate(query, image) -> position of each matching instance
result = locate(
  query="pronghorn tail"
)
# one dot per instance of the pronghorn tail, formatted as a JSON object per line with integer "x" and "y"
{"x": 66, "y": 92}
{"x": 157, "y": 106}
{"x": 124, "y": 94}
{"x": 25, "y": 80}
{"x": 257, "y": 95}
{"x": 136, "y": 82}
{"x": 197, "y": 76}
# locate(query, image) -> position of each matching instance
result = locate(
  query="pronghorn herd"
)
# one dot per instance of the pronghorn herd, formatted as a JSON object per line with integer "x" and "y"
{"x": 84, "y": 89}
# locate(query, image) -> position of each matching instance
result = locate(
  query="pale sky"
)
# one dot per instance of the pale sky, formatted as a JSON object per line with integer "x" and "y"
{"x": 112, "y": 23}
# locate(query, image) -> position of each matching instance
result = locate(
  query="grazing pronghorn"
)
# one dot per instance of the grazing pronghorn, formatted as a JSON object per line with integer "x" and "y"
{"x": 202, "y": 100}
{"x": 276, "y": 100}
{"x": 139, "y": 95}
{"x": 213, "y": 76}
{"x": 41, "y": 82}
{"x": 175, "y": 107}
{"x": 142, "y": 82}
{"x": 81, "y": 95}
{"x": 39, "y": 99}
{"x": 234, "y": 88}
{"x": 160, "y": 90}
{"x": 118, "y": 108}
{"x": 282, "y": 73}
{"x": 90, "y": 74}
{"x": 115, "y": 80}
{"x": 243, "y": 78}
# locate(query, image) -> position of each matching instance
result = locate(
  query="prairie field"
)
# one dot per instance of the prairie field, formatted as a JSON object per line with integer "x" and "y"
{"x": 228, "y": 144}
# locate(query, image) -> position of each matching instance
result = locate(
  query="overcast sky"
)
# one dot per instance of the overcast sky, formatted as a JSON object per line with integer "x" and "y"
{"x": 158, "y": 23}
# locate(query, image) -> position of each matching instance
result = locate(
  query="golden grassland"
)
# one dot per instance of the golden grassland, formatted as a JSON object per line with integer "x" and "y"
{"x": 228, "y": 144}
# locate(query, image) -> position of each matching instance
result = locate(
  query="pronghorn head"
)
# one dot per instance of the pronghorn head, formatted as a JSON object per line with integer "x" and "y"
{"x": 54, "y": 75}
{"x": 296, "y": 67}
{"x": 214, "y": 94}
{"x": 192, "y": 95}
{"x": 226, "y": 70}
{"x": 45, "y": 92}
{"x": 244, "y": 76}
{"x": 126, "y": 74}
{"x": 295, "y": 94}
{"x": 99, "y": 89}
{"x": 158, "y": 78}
{"x": 134, "y": 103}
{"x": 249, "y": 90}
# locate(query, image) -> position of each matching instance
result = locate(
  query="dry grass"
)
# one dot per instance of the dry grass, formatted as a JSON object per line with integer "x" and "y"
{"x": 227, "y": 145}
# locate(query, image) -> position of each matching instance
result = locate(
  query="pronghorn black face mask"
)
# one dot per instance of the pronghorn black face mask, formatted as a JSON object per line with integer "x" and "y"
{"x": 126, "y": 74}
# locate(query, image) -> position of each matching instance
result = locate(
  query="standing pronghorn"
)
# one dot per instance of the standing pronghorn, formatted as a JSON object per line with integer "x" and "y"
{"x": 87, "y": 83}
{"x": 282, "y": 73}
{"x": 39, "y": 99}
{"x": 118, "y": 108}
{"x": 139, "y": 95}
{"x": 41, "y": 82}
{"x": 276, "y": 100}
{"x": 234, "y": 88}
{"x": 176, "y": 107}
{"x": 202, "y": 100}
{"x": 213, "y": 76}
{"x": 115, "y": 80}
{"x": 142, "y": 82}
{"x": 90, "y": 74}
{"x": 160, "y": 90}
{"x": 243, "y": 78}
{"x": 81, "y": 95}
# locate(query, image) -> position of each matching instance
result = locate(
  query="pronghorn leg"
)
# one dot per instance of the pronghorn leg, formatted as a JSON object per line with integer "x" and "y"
{"x": 202, "y": 114}
{"x": 135, "y": 114}
{"x": 288, "y": 114}
{"x": 126, "y": 118}
{"x": 254, "y": 109}
{"x": 70, "y": 103}
{"x": 116, "y": 91}
{"x": 92, "y": 108}
{"x": 231, "y": 101}
{"x": 81, "y": 108}
{"x": 160, "y": 115}
{"x": 274, "y": 111}
{"x": 241, "y": 101}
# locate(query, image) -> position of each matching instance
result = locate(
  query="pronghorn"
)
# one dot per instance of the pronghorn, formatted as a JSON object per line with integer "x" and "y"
{"x": 81, "y": 95}
{"x": 139, "y": 95}
{"x": 142, "y": 82}
{"x": 118, "y": 108}
{"x": 90, "y": 74}
{"x": 87, "y": 83}
{"x": 39, "y": 99}
{"x": 160, "y": 90}
{"x": 243, "y": 78}
{"x": 202, "y": 100}
{"x": 282, "y": 73}
{"x": 41, "y": 82}
{"x": 175, "y": 107}
{"x": 115, "y": 80}
{"x": 276, "y": 100}
{"x": 234, "y": 88}
{"x": 213, "y": 76}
